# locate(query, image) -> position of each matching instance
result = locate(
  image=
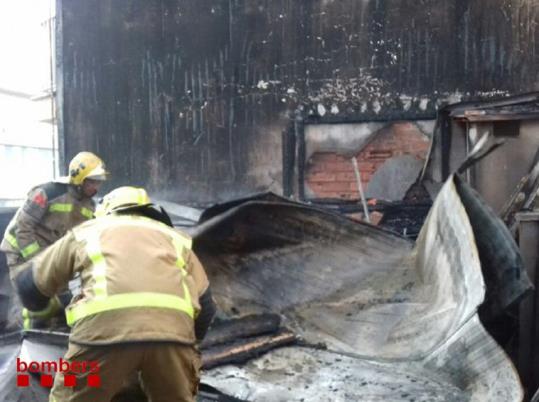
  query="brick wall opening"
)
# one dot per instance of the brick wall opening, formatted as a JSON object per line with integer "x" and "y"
{"x": 330, "y": 174}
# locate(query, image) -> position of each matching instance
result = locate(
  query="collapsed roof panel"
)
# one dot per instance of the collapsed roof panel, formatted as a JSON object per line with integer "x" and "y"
{"x": 364, "y": 292}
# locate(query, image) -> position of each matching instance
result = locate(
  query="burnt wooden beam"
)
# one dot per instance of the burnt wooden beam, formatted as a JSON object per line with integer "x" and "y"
{"x": 246, "y": 349}
{"x": 248, "y": 326}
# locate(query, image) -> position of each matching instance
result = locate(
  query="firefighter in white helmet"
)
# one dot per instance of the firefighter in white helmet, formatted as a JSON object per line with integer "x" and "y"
{"x": 145, "y": 300}
{"x": 50, "y": 210}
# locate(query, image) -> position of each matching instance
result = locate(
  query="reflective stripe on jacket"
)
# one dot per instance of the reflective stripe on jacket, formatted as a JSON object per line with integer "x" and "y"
{"x": 48, "y": 213}
{"x": 140, "y": 280}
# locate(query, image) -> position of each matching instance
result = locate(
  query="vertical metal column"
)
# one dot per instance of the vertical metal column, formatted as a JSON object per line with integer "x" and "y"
{"x": 59, "y": 98}
{"x": 528, "y": 351}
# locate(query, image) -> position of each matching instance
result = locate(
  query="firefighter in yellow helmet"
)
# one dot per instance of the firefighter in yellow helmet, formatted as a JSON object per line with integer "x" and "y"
{"x": 50, "y": 210}
{"x": 145, "y": 301}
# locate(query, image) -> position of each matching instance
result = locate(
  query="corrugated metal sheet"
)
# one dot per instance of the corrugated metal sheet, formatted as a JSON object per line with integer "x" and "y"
{"x": 399, "y": 320}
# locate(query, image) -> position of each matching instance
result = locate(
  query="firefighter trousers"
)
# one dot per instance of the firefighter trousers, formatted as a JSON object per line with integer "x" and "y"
{"x": 169, "y": 372}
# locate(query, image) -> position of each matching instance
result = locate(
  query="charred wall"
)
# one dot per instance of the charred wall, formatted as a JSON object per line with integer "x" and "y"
{"x": 190, "y": 98}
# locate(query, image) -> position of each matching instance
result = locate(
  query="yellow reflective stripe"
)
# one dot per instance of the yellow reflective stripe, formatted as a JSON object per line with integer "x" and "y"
{"x": 52, "y": 306}
{"x": 25, "y": 319}
{"x": 87, "y": 213}
{"x": 30, "y": 249}
{"x": 99, "y": 268}
{"x": 178, "y": 246}
{"x": 128, "y": 300}
{"x": 25, "y": 252}
{"x": 104, "y": 302}
{"x": 57, "y": 207}
{"x": 180, "y": 263}
{"x": 187, "y": 299}
{"x": 12, "y": 240}
{"x": 27, "y": 315}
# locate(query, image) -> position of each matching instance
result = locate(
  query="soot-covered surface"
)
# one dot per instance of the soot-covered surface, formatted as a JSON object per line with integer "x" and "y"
{"x": 386, "y": 304}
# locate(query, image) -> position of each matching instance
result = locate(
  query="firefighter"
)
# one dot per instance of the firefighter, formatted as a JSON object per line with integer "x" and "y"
{"x": 50, "y": 210}
{"x": 145, "y": 301}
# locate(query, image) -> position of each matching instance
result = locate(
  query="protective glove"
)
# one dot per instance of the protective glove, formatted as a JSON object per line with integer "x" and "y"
{"x": 52, "y": 309}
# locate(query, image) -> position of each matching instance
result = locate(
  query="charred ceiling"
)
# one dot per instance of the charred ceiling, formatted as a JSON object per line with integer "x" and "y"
{"x": 190, "y": 97}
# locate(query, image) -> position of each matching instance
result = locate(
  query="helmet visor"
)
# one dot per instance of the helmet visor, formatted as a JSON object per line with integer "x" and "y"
{"x": 98, "y": 173}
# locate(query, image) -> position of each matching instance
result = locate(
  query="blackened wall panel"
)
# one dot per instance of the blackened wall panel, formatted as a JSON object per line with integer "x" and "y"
{"x": 190, "y": 97}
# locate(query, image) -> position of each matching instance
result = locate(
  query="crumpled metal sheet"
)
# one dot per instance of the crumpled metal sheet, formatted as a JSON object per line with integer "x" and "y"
{"x": 503, "y": 269}
{"x": 181, "y": 215}
{"x": 455, "y": 373}
{"x": 366, "y": 293}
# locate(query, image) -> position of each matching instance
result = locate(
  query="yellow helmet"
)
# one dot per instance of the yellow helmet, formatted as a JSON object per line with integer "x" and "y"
{"x": 121, "y": 198}
{"x": 86, "y": 165}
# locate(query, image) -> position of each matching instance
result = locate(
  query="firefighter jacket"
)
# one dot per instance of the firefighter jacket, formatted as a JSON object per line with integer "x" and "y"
{"x": 48, "y": 213}
{"x": 140, "y": 281}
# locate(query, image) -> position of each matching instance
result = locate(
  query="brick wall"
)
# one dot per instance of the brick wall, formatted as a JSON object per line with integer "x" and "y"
{"x": 331, "y": 175}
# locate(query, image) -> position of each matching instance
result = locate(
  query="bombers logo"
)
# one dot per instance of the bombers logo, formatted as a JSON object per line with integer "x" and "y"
{"x": 48, "y": 368}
